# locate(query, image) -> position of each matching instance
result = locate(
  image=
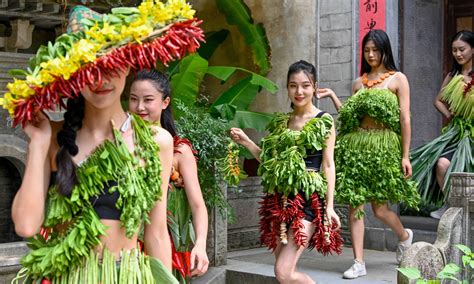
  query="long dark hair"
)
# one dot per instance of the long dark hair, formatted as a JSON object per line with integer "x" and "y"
{"x": 382, "y": 42}
{"x": 162, "y": 85}
{"x": 467, "y": 37}
{"x": 305, "y": 67}
{"x": 66, "y": 176}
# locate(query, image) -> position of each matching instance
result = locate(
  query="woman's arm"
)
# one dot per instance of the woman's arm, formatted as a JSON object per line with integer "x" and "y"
{"x": 188, "y": 169}
{"x": 439, "y": 104}
{"x": 29, "y": 202}
{"x": 157, "y": 239}
{"x": 326, "y": 92}
{"x": 329, "y": 170}
{"x": 239, "y": 136}
{"x": 403, "y": 92}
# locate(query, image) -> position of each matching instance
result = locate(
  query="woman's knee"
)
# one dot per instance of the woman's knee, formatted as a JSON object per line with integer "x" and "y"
{"x": 282, "y": 273}
{"x": 442, "y": 165}
{"x": 380, "y": 212}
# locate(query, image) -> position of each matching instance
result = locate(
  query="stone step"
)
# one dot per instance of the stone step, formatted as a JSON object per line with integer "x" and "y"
{"x": 255, "y": 266}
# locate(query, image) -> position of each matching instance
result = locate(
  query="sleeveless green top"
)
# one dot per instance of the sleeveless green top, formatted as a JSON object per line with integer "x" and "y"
{"x": 282, "y": 167}
{"x": 380, "y": 104}
{"x": 138, "y": 187}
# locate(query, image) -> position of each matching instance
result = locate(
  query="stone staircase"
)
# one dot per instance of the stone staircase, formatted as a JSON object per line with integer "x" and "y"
{"x": 10, "y": 254}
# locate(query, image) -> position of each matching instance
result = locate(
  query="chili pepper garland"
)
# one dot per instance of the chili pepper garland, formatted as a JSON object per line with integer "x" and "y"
{"x": 229, "y": 165}
{"x": 127, "y": 38}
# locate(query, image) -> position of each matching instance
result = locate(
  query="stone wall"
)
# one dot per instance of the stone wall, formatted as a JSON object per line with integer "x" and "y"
{"x": 335, "y": 55}
{"x": 422, "y": 44}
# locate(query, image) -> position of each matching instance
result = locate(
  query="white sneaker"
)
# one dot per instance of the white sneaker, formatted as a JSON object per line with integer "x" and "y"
{"x": 438, "y": 213}
{"x": 356, "y": 270}
{"x": 403, "y": 246}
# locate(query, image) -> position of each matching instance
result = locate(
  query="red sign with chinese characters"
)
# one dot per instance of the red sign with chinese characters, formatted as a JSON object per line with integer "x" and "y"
{"x": 371, "y": 17}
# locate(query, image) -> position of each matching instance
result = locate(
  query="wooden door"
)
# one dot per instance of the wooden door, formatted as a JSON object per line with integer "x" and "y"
{"x": 459, "y": 16}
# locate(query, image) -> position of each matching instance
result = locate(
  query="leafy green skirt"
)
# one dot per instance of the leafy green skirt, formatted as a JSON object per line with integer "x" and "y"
{"x": 457, "y": 140}
{"x": 133, "y": 267}
{"x": 368, "y": 169}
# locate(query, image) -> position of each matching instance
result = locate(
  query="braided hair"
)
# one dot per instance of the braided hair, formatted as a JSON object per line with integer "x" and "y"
{"x": 66, "y": 177}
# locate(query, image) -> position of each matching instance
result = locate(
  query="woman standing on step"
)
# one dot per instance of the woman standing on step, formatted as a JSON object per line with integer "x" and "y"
{"x": 452, "y": 151}
{"x": 298, "y": 178}
{"x": 150, "y": 98}
{"x": 372, "y": 149}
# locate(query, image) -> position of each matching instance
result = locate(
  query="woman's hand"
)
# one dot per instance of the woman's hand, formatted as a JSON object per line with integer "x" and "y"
{"x": 406, "y": 167}
{"x": 239, "y": 136}
{"x": 39, "y": 130}
{"x": 324, "y": 93}
{"x": 328, "y": 93}
{"x": 331, "y": 215}
{"x": 199, "y": 260}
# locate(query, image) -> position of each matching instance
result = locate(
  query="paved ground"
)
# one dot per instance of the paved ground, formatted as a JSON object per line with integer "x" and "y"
{"x": 381, "y": 267}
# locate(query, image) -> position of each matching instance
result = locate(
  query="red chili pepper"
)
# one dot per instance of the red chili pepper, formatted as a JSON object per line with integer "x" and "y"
{"x": 46, "y": 281}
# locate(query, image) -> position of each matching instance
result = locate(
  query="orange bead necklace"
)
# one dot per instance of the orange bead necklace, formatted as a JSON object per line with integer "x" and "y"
{"x": 370, "y": 83}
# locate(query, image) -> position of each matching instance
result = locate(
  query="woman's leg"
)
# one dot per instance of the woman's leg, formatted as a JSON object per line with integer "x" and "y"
{"x": 405, "y": 236}
{"x": 287, "y": 256}
{"x": 383, "y": 212}
{"x": 357, "y": 227}
{"x": 442, "y": 166}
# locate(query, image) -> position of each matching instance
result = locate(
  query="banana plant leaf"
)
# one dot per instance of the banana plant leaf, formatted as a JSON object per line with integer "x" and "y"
{"x": 239, "y": 95}
{"x": 237, "y": 13}
{"x": 250, "y": 119}
{"x": 225, "y": 111}
{"x": 223, "y": 73}
{"x": 213, "y": 40}
{"x": 185, "y": 84}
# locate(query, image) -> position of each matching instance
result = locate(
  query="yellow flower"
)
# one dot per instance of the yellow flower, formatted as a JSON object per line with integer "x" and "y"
{"x": 8, "y": 103}
{"x": 20, "y": 89}
{"x": 180, "y": 8}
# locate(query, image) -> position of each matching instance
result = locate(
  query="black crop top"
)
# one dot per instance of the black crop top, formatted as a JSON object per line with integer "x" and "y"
{"x": 104, "y": 204}
{"x": 314, "y": 159}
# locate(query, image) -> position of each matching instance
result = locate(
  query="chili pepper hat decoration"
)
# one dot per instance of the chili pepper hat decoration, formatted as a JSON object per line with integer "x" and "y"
{"x": 128, "y": 37}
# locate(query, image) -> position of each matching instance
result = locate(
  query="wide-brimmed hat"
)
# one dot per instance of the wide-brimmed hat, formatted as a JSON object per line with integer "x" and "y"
{"x": 128, "y": 37}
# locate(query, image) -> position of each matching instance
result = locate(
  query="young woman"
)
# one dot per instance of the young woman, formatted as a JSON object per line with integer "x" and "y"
{"x": 92, "y": 181}
{"x": 372, "y": 150}
{"x": 452, "y": 150}
{"x": 298, "y": 177}
{"x": 150, "y": 96}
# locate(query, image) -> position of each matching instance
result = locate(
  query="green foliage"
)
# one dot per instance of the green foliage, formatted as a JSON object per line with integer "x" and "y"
{"x": 457, "y": 138}
{"x": 233, "y": 104}
{"x": 450, "y": 271}
{"x": 283, "y": 169}
{"x": 380, "y": 104}
{"x": 368, "y": 169}
{"x": 213, "y": 40}
{"x": 237, "y": 13}
{"x": 209, "y": 138}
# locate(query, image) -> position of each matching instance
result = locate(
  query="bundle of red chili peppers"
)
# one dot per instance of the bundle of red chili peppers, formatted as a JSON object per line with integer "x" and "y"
{"x": 468, "y": 86}
{"x": 179, "y": 39}
{"x": 273, "y": 213}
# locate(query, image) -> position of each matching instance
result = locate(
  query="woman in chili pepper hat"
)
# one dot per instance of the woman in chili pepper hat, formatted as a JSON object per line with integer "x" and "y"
{"x": 150, "y": 97}
{"x": 298, "y": 177}
{"x": 92, "y": 181}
